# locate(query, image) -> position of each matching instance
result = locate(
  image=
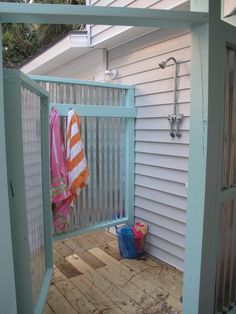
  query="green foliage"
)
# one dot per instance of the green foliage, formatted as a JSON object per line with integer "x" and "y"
{"x": 21, "y": 41}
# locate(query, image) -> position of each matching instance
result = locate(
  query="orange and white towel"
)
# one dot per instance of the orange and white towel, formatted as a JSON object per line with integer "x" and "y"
{"x": 76, "y": 160}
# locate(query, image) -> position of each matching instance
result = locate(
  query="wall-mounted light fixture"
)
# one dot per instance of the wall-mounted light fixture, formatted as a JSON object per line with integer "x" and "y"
{"x": 111, "y": 74}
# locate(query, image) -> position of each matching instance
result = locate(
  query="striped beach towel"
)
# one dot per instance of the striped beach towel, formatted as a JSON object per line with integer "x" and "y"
{"x": 76, "y": 160}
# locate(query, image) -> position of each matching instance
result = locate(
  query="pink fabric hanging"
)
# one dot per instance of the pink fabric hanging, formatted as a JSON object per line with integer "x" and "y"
{"x": 60, "y": 192}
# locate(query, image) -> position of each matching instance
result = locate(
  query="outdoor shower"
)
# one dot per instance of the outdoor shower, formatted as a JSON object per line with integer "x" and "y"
{"x": 174, "y": 118}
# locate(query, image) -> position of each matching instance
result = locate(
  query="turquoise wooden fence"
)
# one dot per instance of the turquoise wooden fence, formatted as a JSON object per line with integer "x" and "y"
{"x": 107, "y": 126}
{"x": 205, "y": 191}
{"x": 27, "y": 142}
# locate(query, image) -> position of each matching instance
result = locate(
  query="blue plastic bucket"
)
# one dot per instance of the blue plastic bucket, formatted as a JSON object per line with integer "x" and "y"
{"x": 129, "y": 247}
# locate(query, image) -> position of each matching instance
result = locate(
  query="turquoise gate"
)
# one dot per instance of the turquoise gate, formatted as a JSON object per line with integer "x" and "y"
{"x": 27, "y": 143}
{"x": 107, "y": 127}
{"x": 107, "y": 119}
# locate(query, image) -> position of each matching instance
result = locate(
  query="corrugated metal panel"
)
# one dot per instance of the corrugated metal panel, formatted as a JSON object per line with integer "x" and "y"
{"x": 33, "y": 187}
{"x": 161, "y": 161}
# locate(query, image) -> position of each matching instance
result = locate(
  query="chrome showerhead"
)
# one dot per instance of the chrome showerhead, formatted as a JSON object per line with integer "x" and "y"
{"x": 163, "y": 64}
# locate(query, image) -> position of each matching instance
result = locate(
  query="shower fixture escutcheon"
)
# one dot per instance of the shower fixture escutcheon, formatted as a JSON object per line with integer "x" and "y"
{"x": 175, "y": 118}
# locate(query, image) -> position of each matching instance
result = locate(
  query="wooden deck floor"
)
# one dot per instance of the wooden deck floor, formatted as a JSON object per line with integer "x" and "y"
{"x": 91, "y": 277}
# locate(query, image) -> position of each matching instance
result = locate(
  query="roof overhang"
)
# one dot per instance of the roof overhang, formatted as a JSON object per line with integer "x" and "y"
{"x": 76, "y": 45}
{"x": 229, "y": 8}
{"x": 58, "y": 54}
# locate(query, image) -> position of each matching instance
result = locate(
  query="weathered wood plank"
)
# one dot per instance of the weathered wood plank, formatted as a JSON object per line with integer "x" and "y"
{"x": 140, "y": 286}
{"x": 117, "y": 286}
{"x": 113, "y": 264}
{"x": 97, "y": 298}
{"x": 47, "y": 309}
{"x": 136, "y": 292}
{"x": 61, "y": 247}
{"x": 58, "y": 302}
{"x": 68, "y": 269}
{"x": 112, "y": 251}
{"x": 57, "y": 257}
{"x": 159, "y": 275}
{"x": 89, "y": 272}
{"x": 91, "y": 260}
{"x": 123, "y": 301}
{"x": 78, "y": 300}
{"x": 127, "y": 304}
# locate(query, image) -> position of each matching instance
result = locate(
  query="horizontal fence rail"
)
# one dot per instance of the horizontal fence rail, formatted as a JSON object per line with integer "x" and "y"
{"x": 107, "y": 125}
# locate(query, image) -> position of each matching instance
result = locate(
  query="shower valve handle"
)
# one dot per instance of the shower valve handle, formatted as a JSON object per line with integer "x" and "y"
{"x": 172, "y": 120}
{"x": 179, "y": 119}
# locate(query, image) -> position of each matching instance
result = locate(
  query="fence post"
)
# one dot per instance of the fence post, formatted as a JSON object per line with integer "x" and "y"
{"x": 7, "y": 280}
{"x": 129, "y": 159}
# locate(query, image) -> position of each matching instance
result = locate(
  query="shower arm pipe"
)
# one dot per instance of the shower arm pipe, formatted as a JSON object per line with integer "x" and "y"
{"x": 163, "y": 65}
{"x": 175, "y": 88}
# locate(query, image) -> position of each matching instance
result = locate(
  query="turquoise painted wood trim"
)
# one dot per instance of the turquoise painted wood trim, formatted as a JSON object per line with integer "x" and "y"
{"x": 91, "y": 228}
{"x": 197, "y": 169}
{"x": 26, "y": 82}
{"x": 232, "y": 311}
{"x": 46, "y": 182}
{"x": 33, "y": 86}
{"x": 68, "y": 14}
{"x": 229, "y": 34}
{"x": 199, "y": 5}
{"x": 65, "y": 80}
{"x": 15, "y": 162}
{"x": 129, "y": 160}
{"x": 95, "y": 111}
{"x": 206, "y": 172}
{"x": 231, "y": 20}
{"x": 228, "y": 194}
{"x": 44, "y": 291}
{"x": 7, "y": 278}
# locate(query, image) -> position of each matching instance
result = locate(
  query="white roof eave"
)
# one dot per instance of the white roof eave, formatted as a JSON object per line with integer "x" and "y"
{"x": 72, "y": 46}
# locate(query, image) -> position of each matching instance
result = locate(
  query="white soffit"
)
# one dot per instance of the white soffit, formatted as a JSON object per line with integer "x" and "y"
{"x": 229, "y": 7}
{"x": 58, "y": 54}
{"x": 76, "y": 44}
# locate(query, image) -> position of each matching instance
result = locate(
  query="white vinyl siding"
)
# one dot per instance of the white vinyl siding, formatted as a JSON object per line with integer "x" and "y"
{"x": 87, "y": 67}
{"x": 161, "y": 162}
{"x": 99, "y": 33}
